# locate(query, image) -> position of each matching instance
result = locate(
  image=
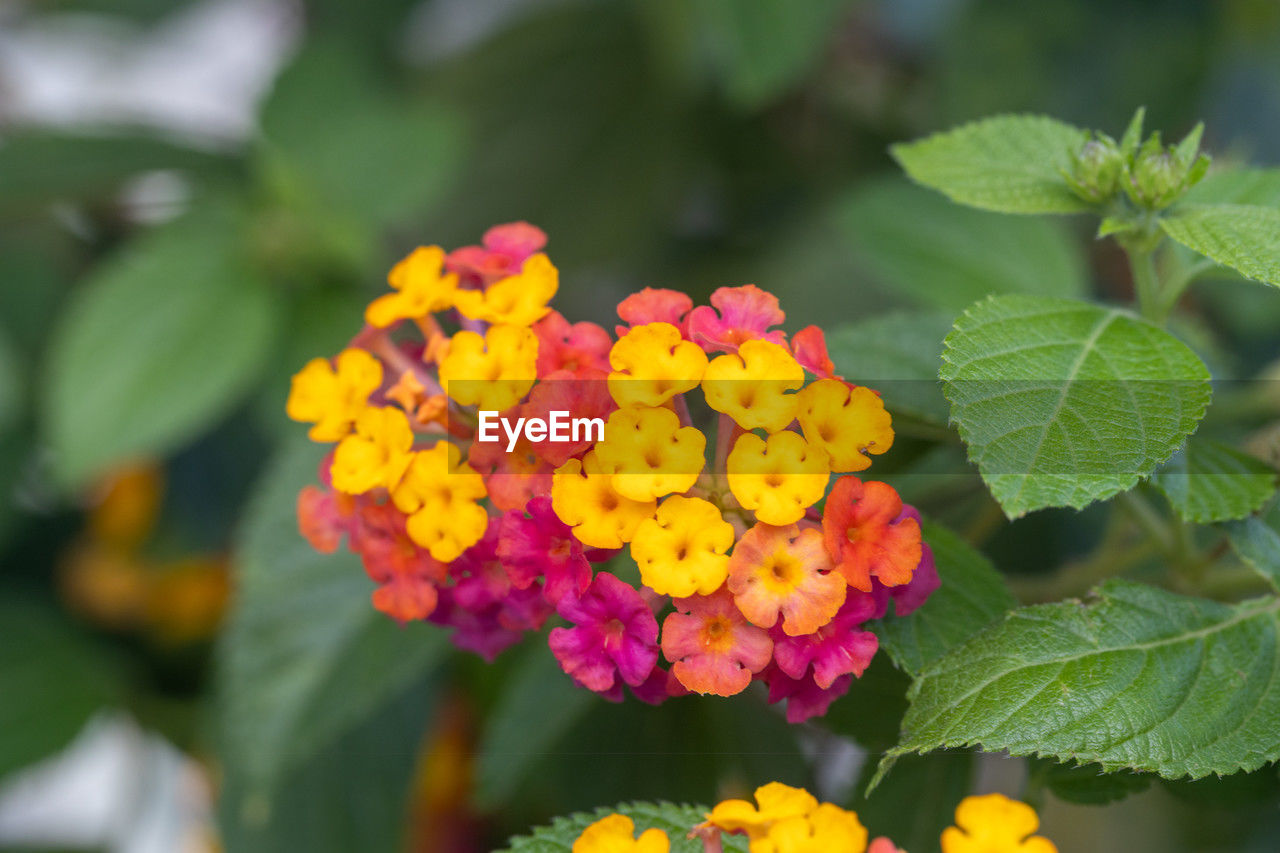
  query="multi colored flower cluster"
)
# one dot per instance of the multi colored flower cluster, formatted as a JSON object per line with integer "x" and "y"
{"x": 744, "y": 572}
{"x": 791, "y": 820}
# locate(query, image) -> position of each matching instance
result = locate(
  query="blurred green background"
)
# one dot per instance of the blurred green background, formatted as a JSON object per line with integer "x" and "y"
{"x": 197, "y": 197}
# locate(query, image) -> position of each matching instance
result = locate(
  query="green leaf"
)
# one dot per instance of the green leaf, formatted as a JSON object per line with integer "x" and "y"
{"x": 1139, "y": 679}
{"x": 972, "y": 596}
{"x": 674, "y": 820}
{"x": 946, "y": 256}
{"x": 1259, "y": 187}
{"x": 1257, "y": 541}
{"x": 11, "y": 384}
{"x": 156, "y": 346}
{"x": 52, "y": 680}
{"x": 1063, "y": 403}
{"x": 385, "y": 158}
{"x": 896, "y": 354}
{"x": 539, "y": 706}
{"x": 1010, "y": 163}
{"x": 305, "y": 656}
{"x": 1208, "y": 481}
{"x": 1239, "y": 236}
{"x": 763, "y": 48}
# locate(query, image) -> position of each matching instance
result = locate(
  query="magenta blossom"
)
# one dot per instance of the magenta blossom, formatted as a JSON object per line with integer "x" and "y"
{"x": 805, "y": 698}
{"x": 614, "y": 635}
{"x": 836, "y": 649}
{"x": 542, "y": 546}
{"x": 745, "y": 313}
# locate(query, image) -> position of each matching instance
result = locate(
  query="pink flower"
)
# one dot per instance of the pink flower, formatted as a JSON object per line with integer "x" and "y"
{"x": 809, "y": 346}
{"x": 713, "y": 647}
{"x": 324, "y": 517}
{"x": 745, "y": 313}
{"x": 583, "y": 395}
{"x": 653, "y": 305}
{"x": 514, "y": 478}
{"x": 487, "y": 612}
{"x": 577, "y": 350}
{"x": 505, "y": 249}
{"x": 805, "y": 698}
{"x": 614, "y": 636}
{"x": 540, "y": 545}
{"x": 836, "y": 649}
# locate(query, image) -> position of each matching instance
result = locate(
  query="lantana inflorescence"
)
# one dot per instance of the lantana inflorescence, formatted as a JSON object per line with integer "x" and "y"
{"x": 760, "y": 554}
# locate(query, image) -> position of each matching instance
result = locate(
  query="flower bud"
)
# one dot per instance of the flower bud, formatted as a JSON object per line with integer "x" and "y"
{"x": 1097, "y": 169}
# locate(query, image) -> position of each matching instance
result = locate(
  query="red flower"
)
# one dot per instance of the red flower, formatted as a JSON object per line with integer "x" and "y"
{"x": 868, "y": 535}
{"x": 745, "y": 313}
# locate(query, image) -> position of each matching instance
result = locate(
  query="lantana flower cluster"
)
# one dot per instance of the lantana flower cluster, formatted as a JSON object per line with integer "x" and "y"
{"x": 791, "y": 820}
{"x": 750, "y": 563}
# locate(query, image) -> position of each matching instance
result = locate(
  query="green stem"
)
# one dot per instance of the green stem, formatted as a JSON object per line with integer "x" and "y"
{"x": 1147, "y": 285}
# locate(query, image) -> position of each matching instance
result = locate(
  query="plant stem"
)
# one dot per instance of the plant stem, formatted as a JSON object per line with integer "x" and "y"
{"x": 1147, "y": 285}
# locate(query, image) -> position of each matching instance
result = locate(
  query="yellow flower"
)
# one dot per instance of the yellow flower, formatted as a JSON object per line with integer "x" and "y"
{"x": 683, "y": 549}
{"x": 778, "y": 479}
{"x": 491, "y": 372}
{"x": 846, "y": 422}
{"x": 750, "y": 386}
{"x": 652, "y": 363}
{"x": 826, "y": 829}
{"x": 995, "y": 824}
{"x": 649, "y": 453}
{"x": 376, "y": 455}
{"x": 774, "y": 802}
{"x": 421, "y": 288}
{"x": 332, "y": 398}
{"x": 583, "y": 496}
{"x": 616, "y": 834}
{"x": 439, "y": 493}
{"x": 517, "y": 300}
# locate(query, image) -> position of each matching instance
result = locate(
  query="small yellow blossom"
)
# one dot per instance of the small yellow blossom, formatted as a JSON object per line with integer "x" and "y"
{"x": 847, "y": 422}
{"x": 774, "y": 802}
{"x": 995, "y": 824}
{"x": 750, "y": 385}
{"x": 583, "y": 496}
{"x": 652, "y": 363}
{"x": 777, "y": 479}
{"x": 492, "y": 371}
{"x": 517, "y": 300}
{"x": 332, "y": 396}
{"x": 683, "y": 550}
{"x": 376, "y": 455}
{"x": 616, "y": 834}
{"x": 421, "y": 287}
{"x": 826, "y": 829}
{"x": 440, "y": 493}
{"x": 649, "y": 453}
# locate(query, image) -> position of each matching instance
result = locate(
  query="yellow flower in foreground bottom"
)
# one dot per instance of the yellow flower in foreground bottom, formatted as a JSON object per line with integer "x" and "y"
{"x": 376, "y": 455}
{"x": 774, "y": 802}
{"x": 826, "y": 829}
{"x": 616, "y": 834}
{"x": 332, "y": 397}
{"x": 995, "y": 824}
{"x": 420, "y": 285}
